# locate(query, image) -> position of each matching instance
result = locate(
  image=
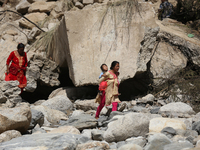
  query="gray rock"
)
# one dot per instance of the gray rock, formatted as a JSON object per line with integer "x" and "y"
{"x": 121, "y": 143}
{"x": 76, "y": 113}
{"x": 10, "y": 91}
{"x": 23, "y": 6}
{"x": 178, "y": 146}
{"x": 180, "y": 132}
{"x": 86, "y": 105}
{"x": 178, "y": 107}
{"x": 139, "y": 109}
{"x": 60, "y": 102}
{"x": 141, "y": 141}
{"x": 130, "y": 147}
{"x": 37, "y": 129}
{"x": 83, "y": 121}
{"x": 196, "y": 127}
{"x": 3, "y": 98}
{"x": 86, "y": 2}
{"x": 157, "y": 141}
{"x": 34, "y": 32}
{"x": 101, "y": 120}
{"x": 51, "y": 116}
{"x": 87, "y": 133}
{"x": 196, "y": 118}
{"x": 43, "y": 70}
{"x": 17, "y": 118}
{"x": 45, "y": 141}
{"x": 148, "y": 99}
{"x": 190, "y": 139}
{"x": 169, "y": 132}
{"x": 93, "y": 145}
{"x": 97, "y": 135}
{"x": 191, "y": 133}
{"x": 37, "y": 118}
{"x": 8, "y": 135}
{"x": 31, "y": 85}
{"x": 155, "y": 110}
{"x": 113, "y": 145}
{"x": 79, "y": 5}
{"x": 129, "y": 125}
{"x": 115, "y": 113}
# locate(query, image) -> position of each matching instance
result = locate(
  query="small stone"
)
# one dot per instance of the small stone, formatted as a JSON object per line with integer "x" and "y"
{"x": 86, "y": 2}
{"x": 79, "y": 5}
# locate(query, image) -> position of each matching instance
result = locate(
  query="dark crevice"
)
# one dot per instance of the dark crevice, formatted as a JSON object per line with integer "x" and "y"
{"x": 137, "y": 86}
{"x": 42, "y": 92}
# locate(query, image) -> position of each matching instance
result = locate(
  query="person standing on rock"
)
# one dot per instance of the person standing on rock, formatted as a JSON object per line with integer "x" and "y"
{"x": 111, "y": 92}
{"x": 17, "y": 69}
{"x": 165, "y": 10}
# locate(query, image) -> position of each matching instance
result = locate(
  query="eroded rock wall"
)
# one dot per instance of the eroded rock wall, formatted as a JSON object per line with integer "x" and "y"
{"x": 104, "y": 33}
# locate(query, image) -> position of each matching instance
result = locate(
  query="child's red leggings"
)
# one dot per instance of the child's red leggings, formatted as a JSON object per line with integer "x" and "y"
{"x": 102, "y": 104}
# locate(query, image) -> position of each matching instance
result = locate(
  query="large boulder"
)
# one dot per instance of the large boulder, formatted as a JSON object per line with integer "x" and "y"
{"x": 61, "y": 103}
{"x": 45, "y": 141}
{"x": 34, "y": 17}
{"x": 17, "y": 118}
{"x": 105, "y": 36}
{"x": 129, "y": 125}
{"x": 158, "y": 124}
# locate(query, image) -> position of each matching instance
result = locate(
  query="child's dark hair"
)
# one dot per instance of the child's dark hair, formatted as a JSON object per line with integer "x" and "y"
{"x": 20, "y": 45}
{"x": 102, "y": 67}
{"x": 113, "y": 64}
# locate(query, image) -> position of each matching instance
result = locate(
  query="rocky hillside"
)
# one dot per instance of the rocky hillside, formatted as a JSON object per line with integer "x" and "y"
{"x": 66, "y": 42}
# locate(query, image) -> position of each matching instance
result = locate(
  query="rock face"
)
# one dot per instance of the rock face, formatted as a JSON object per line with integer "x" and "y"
{"x": 10, "y": 91}
{"x": 43, "y": 70}
{"x": 157, "y": 124}
{"x": 129, "y": 125}
{"x": 104, "y": 39}
{"x": 17, "y": 118}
